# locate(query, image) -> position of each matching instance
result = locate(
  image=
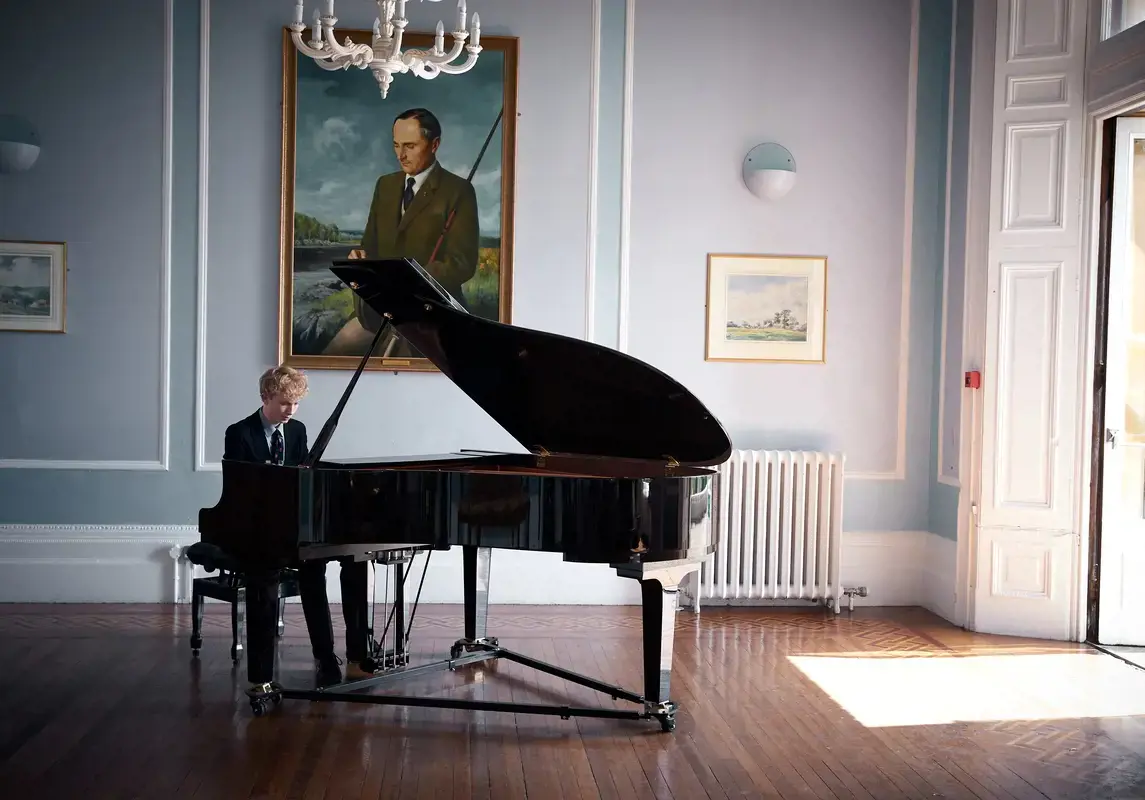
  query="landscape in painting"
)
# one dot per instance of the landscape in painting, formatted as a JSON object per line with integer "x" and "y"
{"x": 25, "y": 285}
{"x": 767, "y": 308}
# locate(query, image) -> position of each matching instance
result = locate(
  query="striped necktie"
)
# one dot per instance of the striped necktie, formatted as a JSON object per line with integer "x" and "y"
{"x": 276, "y": 447}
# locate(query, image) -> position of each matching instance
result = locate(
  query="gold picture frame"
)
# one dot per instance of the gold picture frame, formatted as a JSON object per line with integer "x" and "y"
{"x": 766, "y": 308}
{"x": 33, "y": 286}
{"x": 328, "y": 187}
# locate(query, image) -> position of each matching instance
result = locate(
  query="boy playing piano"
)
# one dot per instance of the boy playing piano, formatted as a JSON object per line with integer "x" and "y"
{"x": 272, "y": 435}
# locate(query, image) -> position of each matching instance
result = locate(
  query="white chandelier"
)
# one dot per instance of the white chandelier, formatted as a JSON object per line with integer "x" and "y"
{"x": 384, "y": 56}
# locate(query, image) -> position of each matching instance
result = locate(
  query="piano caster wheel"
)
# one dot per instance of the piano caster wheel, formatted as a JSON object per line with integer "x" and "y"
{"x": 468, "y": 647}
{"x": 196, "y": 644}
{"x": 195, "y": 652}
{"x": 668, "y": 724}
{"x": 260, "y": 705}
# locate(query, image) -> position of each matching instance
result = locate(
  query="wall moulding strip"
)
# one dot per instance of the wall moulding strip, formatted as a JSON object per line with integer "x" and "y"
{"x": 593, "y": 175}
{"x": 898, "y": 472}
{"x": 200, "y": 432}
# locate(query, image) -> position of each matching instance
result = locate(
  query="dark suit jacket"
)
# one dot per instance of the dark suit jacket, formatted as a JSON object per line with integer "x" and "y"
{"x": 388, "y": 234}
{"x": 245, "y": 441}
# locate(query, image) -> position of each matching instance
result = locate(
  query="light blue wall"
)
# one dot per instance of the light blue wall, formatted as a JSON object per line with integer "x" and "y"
{"x": 610, "y": 127}
{"x": 98, "y": 186}
{"x": 117, "y": 291}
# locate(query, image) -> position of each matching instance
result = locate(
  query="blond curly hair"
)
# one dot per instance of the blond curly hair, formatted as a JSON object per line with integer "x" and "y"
{"x": 285, "y": 382}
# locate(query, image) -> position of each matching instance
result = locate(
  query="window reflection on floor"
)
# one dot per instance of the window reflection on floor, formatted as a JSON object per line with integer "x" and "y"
{"x": 931, "y": 689}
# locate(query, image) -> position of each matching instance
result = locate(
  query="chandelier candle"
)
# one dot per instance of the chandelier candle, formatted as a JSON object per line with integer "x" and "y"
{"x": 384, "y": 56}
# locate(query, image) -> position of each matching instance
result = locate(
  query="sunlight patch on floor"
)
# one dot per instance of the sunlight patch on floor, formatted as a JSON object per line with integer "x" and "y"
{"x": 925, "y": 690}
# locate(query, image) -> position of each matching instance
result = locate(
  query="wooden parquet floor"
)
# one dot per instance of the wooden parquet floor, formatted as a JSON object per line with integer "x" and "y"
{"x": 107, "y": 702}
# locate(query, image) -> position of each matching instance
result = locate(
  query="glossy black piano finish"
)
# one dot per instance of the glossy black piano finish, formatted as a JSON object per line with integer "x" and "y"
{"x": 332, "y": 510}
{"x": 618, "y": 472}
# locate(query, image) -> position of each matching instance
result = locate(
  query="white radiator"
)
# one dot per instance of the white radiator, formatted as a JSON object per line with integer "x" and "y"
{"x": 777, "y": 526}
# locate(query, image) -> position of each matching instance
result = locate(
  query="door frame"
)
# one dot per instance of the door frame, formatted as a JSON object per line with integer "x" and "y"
{"x": 1100, "y": 172}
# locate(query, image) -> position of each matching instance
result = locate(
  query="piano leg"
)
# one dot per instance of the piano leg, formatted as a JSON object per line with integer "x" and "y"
{"x": 659, "y": 591}
{"x": 658, "y": 630}
{"x": 475, "y": 577}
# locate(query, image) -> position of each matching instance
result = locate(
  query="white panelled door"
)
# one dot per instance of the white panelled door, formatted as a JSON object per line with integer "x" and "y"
{"x": 1122, "y": 556}
{"x": 1025, "y": 557}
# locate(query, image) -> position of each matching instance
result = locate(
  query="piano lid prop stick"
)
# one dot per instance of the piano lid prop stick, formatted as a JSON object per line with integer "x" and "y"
{"x": 449, "y": 220}
{"x": 327, "y": 431}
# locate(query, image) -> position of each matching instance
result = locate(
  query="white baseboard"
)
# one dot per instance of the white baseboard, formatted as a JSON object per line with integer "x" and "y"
{"x": 142, "y": 564}
{"x": 897, "y": 568}
{"x": 887, "y": 563}
{"x": 940, "y": 576}
{"x": 91, "y": 563}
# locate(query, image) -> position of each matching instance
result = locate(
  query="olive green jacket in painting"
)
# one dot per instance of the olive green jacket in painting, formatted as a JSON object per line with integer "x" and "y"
{"x": 388, "y": 234}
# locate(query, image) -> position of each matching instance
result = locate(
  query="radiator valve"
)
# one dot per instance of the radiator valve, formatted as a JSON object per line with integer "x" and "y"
{"x": 850, "y": 594}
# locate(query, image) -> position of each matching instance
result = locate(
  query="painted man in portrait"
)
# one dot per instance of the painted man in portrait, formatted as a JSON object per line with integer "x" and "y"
{"x": 408, "y": 213}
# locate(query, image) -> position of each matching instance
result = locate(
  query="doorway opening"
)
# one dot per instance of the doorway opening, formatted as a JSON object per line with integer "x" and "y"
{"x": 1114, "y": 619}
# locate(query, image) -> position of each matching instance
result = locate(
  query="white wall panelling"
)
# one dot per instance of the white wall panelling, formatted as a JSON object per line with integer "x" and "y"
{"x": 899, "y": 471}
{"x": 1027, "y": 541}
{"x": 623, "y": 310}
{"x": 135, "y": 563}
{"x": 162, "y": 461}
{"x": 943, "y": 476}
{"x": 1035, "y": 91}
{"x": 593, "y": 175}
{"x": 90, "y": 563}
{"x": 203, "y": 227}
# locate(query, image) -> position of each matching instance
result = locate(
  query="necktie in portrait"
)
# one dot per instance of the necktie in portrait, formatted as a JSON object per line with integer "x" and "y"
{"x": 407, "y": 194}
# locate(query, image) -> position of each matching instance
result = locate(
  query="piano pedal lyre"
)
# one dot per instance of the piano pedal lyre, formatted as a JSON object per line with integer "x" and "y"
{"x": 390, "y": 651}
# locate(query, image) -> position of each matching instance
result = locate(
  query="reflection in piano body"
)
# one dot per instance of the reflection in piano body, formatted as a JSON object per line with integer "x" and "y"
{"x": 617, "y": 471}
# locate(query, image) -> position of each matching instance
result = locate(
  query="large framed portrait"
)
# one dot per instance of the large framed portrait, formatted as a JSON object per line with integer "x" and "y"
{"x": 766, "y": 308}
{"x": 347, "y": 159}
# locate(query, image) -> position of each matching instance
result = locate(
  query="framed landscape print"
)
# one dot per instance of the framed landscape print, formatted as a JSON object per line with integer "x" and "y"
{"x": 766, "y": 308}
{"x": 347, "y": 155}
{"x": 33, "y": 281}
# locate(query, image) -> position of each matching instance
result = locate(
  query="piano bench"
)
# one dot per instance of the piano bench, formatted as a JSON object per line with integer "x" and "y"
{"x": 228, "y": 586}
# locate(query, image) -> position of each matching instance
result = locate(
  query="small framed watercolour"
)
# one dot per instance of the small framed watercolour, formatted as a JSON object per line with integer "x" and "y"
{"x": 33, "y": 280}
{"x": 766, "y": 308}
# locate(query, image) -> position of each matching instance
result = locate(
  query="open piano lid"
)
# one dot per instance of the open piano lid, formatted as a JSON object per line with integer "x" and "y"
{"x": 551, "y": 393}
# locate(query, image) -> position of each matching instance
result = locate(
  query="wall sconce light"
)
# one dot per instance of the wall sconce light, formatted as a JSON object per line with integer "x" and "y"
{"x": 19, "y": 144}
{"x": 769, "y": 171}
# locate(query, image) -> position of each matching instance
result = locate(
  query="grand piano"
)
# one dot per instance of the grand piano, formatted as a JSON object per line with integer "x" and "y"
{"x": 617, "y": 471}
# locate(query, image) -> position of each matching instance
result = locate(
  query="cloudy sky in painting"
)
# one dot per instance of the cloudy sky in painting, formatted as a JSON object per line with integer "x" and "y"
{"x": 345, "y": 142}
{"x": 757, "y": 298}
{"x": 26, "y": 271}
